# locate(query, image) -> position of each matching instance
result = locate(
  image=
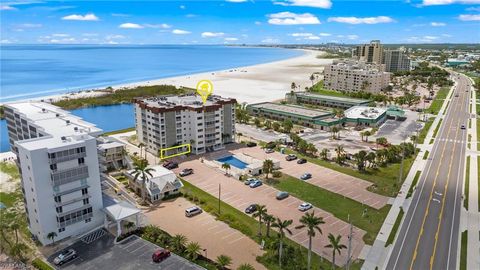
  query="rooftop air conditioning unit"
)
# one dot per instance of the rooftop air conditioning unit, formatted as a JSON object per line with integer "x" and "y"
{"x": 63, "y": 138}
{"x": 44, "y": 110}
{"x": 68, "y": 122}
{"x": 75, "y": 128}
{"x": 57, "y": 115}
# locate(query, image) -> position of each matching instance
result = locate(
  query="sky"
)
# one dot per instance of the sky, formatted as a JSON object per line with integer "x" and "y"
{"x": 239, "y": 21}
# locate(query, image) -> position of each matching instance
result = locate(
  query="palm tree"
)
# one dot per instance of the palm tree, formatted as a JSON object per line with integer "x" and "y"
{"x": 18, "y": 251}
{"x": 15, "y": 227}
{"x": 282, "y": 226}
{"x": 192, "y": 250}
{"x": 268, "y": 124}
{"x": 260, "y": 213}
{"x": 371, "y": 158}
{"x": 267, "y": 167}
{"x": 227, "y": 167}
{"x": 51, "y": 236}
{"x": 141, "y": 170}
{"x": 245, "y": 266}
{"x": 324, "y": 153}
{"x": 141, "y": 146}
{"x": 312, "y": 78}
{"x": 360, "y": 159}
{"x": 312, "y": 224}
{"x": 223, "y": 261}
{"x": 334, "y": 131}
{"x": 178, "y": 242}
{"x": 268, "y": 219}
{"x": 340, "y": 153}
{"x": 293, "y": 86}
{"x": 366, "y": 134}
{"x": 335, "y": 246}
{"x": 129, "y": 225}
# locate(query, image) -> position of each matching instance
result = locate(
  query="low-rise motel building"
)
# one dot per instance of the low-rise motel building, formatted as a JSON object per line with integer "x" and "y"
{"x": 324, "y": 100}
{"x": 164, "y": 122}
{"x": 361, "y": 116}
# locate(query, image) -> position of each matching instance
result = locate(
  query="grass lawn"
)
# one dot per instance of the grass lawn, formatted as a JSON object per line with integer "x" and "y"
{"x": 425, "y": 156}
{"x": 424, "y": 131}
{"x": 9, "y": 199}
{"x": 467, "y": 181}
{"x": 463, "y": 251}
{"x": 438, "y": 101}
{"x": 336, "y": 204}
{"x": 391, "y": 237}
{"x": 118, "y": 131}
{"x": 385, "y": 178}
{"x": 414, "y": 183}
{"x": 10, "y": 169}
{"x": 437, "y": 128}
{"x": 40, "y": 264}
{"x": 247, "y": 225}
{"x": 469, "y": 141}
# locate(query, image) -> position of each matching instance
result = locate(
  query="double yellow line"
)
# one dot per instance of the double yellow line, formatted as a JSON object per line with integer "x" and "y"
{"x": 443, "y": 199}
{"x": 431, "y": 192}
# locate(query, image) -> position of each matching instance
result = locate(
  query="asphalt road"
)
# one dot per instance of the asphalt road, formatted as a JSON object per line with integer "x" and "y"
{"x": 428, "y": 238}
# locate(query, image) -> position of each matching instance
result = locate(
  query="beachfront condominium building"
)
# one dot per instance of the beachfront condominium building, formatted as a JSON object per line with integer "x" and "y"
{"x": 370, "y": 53}
{"x": 58, "y": 162}
{"x": 396, "y": 60}
{"x": 355, "y": 76}
{"x": 166, "y": 121}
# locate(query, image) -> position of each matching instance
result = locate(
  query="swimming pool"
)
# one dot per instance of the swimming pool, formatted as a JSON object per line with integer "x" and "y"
{"x": 233, "y": 161}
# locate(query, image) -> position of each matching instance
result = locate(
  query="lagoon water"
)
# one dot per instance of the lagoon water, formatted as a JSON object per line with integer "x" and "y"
{"x": 37, "y": 70}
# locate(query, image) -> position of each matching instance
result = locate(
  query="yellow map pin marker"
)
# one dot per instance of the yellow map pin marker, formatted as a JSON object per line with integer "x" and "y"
{"x": 204, "y": 89}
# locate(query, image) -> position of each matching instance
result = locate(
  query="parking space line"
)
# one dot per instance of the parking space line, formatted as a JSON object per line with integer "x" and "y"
{"x": 233, "y": 233}
{"x": 222, "y": 230}
{"x": 235, "y": 201}
{"x": 236, "y": 240}
{"x": 211, "y": 228}
{"x": 292, "y": 203}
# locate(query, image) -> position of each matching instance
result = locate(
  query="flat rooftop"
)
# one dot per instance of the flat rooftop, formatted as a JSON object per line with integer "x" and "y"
{"x": 189, "y": 100}
{"x": 53, "y": 121}
{"x": 333, "y": 98}
{"x": 364, "y": 112}
{"x": 292, "y": 109}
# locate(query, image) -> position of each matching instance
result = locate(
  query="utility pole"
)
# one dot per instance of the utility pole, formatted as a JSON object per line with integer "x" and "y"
{"x": 219, "y": 193}
{"x": 349, "y": 243}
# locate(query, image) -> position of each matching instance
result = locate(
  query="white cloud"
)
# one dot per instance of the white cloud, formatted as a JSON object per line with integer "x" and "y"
{"x": 113, "y": 36}
{"x": 7, "y": 7}
{"x": 448, "y": 2}
{"x": 6, "y": 41}
{"x": 437, "y": 24}
{"x": 473, "y": 9}
{"x": 236, "y": 1}
{"x": 231, "y": 39}
{"x": 270, "y": 40}
{"x": 60, "y": 35}
{"x": 63, "y": 40}
{"x": 446, "y": 35}
{"x": 305, "y": 3}
{"x": 183, "y": 7}
{"x": 180, "y": 32}
{"x": 325, "y": 34}
{"x": 162, "y": 25}
{"x": 211, "y": 34}
{"x": 89, "y": 34}
{"x": 130, "y": 26}
{"x": 29, "y": 25}
{"x": 357, "y": 20}
{"x": 352, "y": 37}
{"x": 424, "y": 39}
{"x": 77, "y": 17}
{"x": 301, "y": 34}
{"x": 313, "y": 38}
{"x": 469, "y": 17}
{"x": 289, "y": 18}
{"x": 120, "y": 15}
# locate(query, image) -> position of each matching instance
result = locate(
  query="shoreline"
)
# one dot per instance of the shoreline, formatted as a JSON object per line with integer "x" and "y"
{"x": 255, "y": 83}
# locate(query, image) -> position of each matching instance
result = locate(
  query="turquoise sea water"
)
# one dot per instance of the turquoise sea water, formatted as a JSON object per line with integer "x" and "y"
{"x": 29, "y": 71}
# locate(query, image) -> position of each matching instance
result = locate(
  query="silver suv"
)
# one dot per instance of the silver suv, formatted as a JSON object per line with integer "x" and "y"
{"x": 65, "y": 256}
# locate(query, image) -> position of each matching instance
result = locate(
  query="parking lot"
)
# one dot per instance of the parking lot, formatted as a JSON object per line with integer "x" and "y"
{"x": 238, "y": 195}
{"x": 398, "y": 131}
{"x": 132, "y": 253}
{"x": 216, "y": 237}
{"x": 331, "y": 180}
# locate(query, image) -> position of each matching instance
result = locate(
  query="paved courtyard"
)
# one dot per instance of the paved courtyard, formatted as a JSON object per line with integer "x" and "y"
{"x": 331, "y": 180}
{"x": 238, "y": 195}
{"x": 132, "y": 253}
{"x": 216, "y": 236}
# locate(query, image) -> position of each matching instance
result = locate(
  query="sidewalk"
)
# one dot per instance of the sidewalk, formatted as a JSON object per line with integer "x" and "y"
{"x": 378, "y": 254}
{"x": 471, "y": 217}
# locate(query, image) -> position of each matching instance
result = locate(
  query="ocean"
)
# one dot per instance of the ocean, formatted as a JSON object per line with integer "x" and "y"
{"x": 29, "y": 71}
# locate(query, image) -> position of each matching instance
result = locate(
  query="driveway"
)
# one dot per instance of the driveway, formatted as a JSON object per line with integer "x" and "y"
{"x": 238, "y": 195}
{"x": 331, "y": 180}
{"x": 213, "y": 235}
{"x": 131, "y": 253}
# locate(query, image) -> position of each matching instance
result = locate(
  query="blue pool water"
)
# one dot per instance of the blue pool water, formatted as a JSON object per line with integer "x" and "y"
{"x": 233, "y": 161}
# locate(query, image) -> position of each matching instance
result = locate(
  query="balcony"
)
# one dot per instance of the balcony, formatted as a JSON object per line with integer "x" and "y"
{"x": 67, "y": 158}
{"x": 69, "y": 175}
{"x": 79, "y": 199}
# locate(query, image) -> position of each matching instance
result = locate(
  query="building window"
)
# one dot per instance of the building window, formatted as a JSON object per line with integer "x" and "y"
{"x": 58, "y": 199}
{"x": 85, "y": 201}
{"x": 84, "y": 191}
{"x": 61, "y": 230}
{"x": 53, "y": 167}
{"x": 81, "y": 161}
{"x": 88, "y": 220}
{"x": 59, "y": 209}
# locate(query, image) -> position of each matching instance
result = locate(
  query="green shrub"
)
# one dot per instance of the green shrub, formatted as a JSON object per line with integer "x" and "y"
{"x": 40, "y": 264}
{"x": 277, "y": 174}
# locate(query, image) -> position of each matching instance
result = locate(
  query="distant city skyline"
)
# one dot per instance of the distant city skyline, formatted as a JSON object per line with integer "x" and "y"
{"x": 239, "y": 22}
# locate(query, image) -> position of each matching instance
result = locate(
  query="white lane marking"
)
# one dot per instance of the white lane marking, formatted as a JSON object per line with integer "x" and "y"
{"x": 436, "y": 200}
{"x": 438, "y": 193}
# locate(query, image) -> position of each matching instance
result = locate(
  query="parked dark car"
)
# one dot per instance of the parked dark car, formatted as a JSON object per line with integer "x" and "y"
{"x": 282, "y": 195}
{"x": 65, "y": 256}
{"x": 160, "y": 255}
{"x": 301, "y": 161}
{"x": 186, "y": 172}
{"x": 251, "y": 209}
{"x": 290, "y": 157}
{"x": 171, "y": 165}
{"x": 306, "y": 176}
{"x": 251, "y": 144}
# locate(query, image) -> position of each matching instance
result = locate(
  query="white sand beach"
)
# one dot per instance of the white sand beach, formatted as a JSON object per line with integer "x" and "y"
{"x": 257, "y": 83}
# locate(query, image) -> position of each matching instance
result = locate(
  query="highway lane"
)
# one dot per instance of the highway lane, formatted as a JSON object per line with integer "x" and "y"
{"x": 428, "y": 238}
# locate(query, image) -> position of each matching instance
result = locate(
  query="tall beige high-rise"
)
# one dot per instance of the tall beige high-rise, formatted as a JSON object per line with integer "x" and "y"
{"x": 370, "y": 53}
